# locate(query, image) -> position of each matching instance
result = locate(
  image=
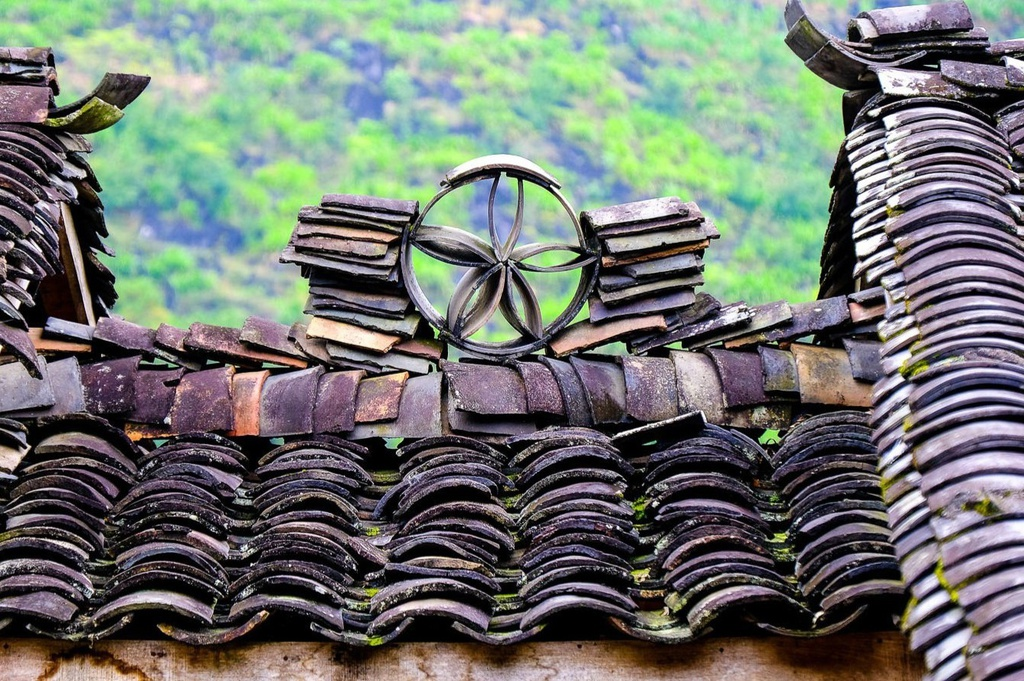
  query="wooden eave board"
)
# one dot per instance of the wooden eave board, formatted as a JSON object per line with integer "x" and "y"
{"x": 851, "y": 657}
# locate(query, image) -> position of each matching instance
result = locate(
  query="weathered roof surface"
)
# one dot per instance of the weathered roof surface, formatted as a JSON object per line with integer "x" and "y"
{"x": 927, "y": 205}
{"x": 157, "y": 388}
{"x": 51, "y": 217}
{"x": 210, "y": 479}
{"x": 584, "y": 484}
{"x": 666, "y": 533}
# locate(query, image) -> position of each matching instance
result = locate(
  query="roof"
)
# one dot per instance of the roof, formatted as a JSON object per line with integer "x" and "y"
{"x": 208, "y": 479}
{"x": 208, "y": 537}
{"x": 351, "y": 475}
{"x": 927, "y": 198}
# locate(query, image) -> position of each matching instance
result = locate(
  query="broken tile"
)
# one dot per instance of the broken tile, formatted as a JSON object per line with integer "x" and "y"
{"x": 65, "y": 379}
{"x": 637, "y": 212}
{"x": 18, "y": 343}
{"x": 373, "y": 362}
{"x": 24, "y": 103}
{"x": 169, "y": 346}
{"x": 335, "y": 407}
{"x": 202, "y": 402}
{"x": 484, "y": 426}
{"x": 651, "y": 393}
{"x": 378, "y": 398}
{"x": 372, "y": 204}
{"x": 643, "y": 307}
{"x": 110, "y": 385}
{"x": 68, "y": 331}
{"x": 287, "y": 401}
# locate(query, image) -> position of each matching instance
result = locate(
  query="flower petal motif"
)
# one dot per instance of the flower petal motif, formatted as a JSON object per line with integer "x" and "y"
{"x": 522, "y": 254}
{"x": 492, "y": 228}
{"x": 475, "y": 299}
{"x": 529, "y": 323}
{"x": 454, "y": 246}
{"x": 517, "y": 224}
{"x": 495, "y": 273}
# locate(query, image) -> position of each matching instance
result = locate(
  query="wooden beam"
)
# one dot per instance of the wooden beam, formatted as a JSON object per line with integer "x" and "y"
{"x": 74, "y": 269}
{"x": 851, "y": 657}
{"x": 55, "y": 345}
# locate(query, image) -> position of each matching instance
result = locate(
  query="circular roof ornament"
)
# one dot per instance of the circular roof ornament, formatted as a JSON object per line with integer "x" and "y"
{"x": 495, "y": 268}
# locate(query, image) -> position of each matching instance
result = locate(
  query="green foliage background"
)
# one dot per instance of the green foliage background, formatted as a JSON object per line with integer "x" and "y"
{"x": 258, "y": 107}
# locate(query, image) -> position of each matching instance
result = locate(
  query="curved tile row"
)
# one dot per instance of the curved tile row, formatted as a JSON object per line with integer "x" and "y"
{"x": 169, "y": 534}
{"x": 826, "y": 471}
{"x": 756, "y": 387}
{"x": 804, "y": 548}
{"x": 964, "y": 429}
{"x": 209, "y": 537}
{"x": 711, "y": 535}
{"x": 937, "y": 225}
{"x": 308, "y": 547}
{"x": 576, "y": 526}
{"x": 56, "y": 516}
{"x": 452, "y": 533}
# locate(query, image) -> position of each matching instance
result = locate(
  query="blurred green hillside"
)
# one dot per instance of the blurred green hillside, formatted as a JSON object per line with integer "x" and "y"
{"x": 258, "y": 107}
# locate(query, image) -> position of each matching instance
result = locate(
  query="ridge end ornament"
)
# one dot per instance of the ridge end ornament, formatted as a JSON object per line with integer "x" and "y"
{"x": 494, "y": 279}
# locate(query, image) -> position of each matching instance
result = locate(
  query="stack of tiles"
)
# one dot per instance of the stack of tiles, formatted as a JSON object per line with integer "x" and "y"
{"x": 885, "y": 45}
{"x": 31, "y": 67}
{"x": 51, "y": 217}
{"x": 651, "y": 257}
{"x": 899, "y": 32}
{"x": 348, "y": 248}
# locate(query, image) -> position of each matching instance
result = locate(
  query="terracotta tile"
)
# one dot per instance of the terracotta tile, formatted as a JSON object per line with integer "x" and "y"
{"x": 246, "y": 391}
{"x": 378, "y": 398}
